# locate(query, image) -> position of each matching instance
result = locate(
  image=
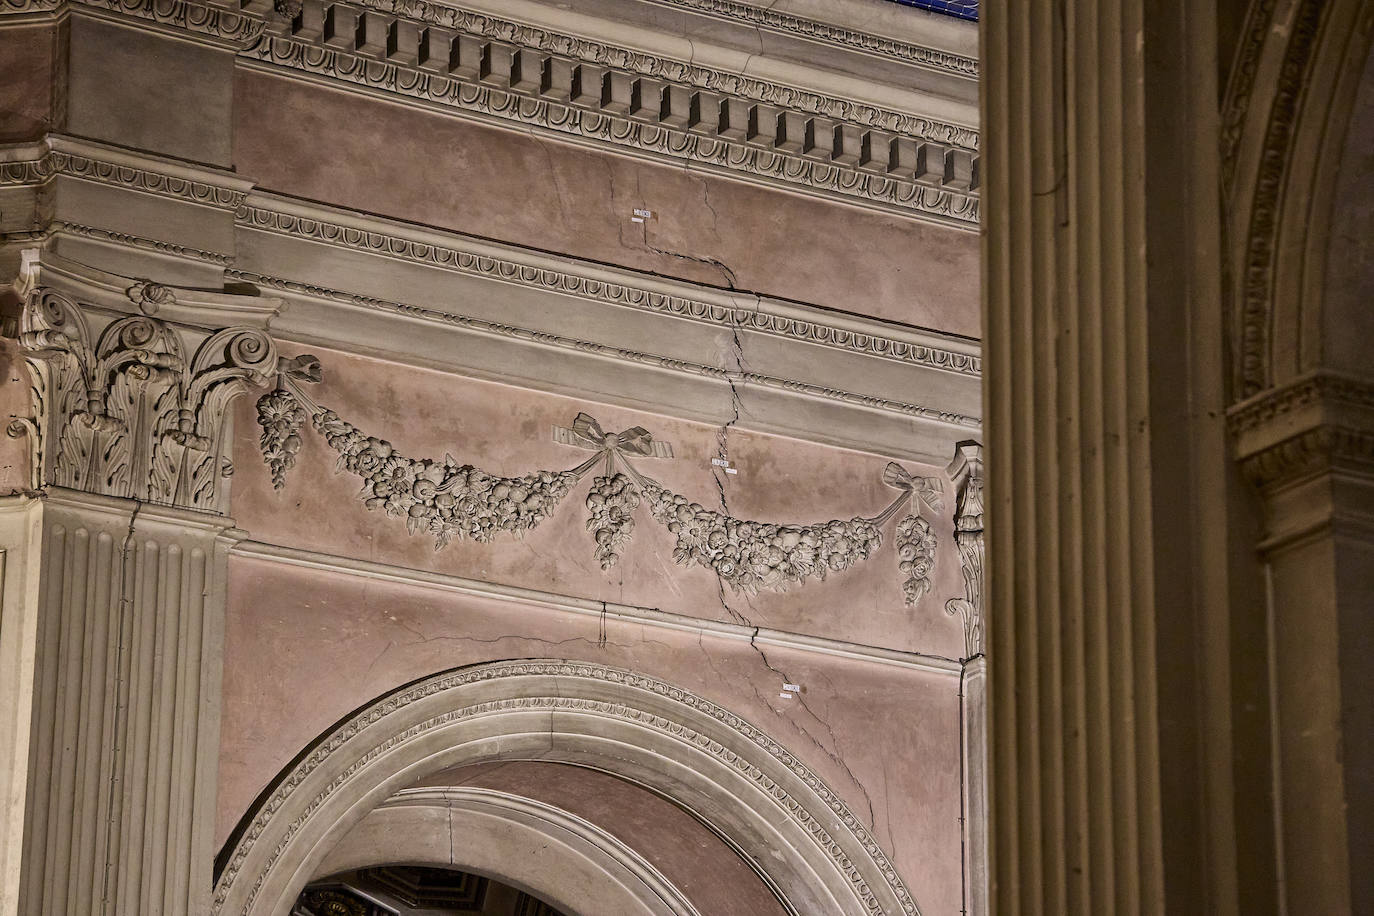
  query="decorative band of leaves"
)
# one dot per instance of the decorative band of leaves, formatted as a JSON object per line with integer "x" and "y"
{"x": 450, "y": 500}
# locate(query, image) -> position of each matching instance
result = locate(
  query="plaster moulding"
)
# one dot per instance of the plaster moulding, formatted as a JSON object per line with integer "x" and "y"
{"x": 1321, "y": 422}
{"x": 966, "y": 471}
{"x": 38, "y": 163}
{"x": 449, "y": 251}
{"x": 448, "y": 500}
{"x": 130, "y": 399}
{"x": 784, "y": 388}
{"x": 951, "y": 420}
{"x": 233, "y": 23}
{"x": 644, "y": 104}
{"x": 789, "y": 23}
{"x": 743, "y": 783}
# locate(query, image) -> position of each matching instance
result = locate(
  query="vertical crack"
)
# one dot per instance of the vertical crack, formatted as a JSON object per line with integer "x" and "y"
{"x": 126, "y": 586}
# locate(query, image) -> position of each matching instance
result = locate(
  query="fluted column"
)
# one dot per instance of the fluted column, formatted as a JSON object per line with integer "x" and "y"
{"x": 1107, "y": 552}
{"x": 129, "y": 439}
{"x": 125, "y": 738}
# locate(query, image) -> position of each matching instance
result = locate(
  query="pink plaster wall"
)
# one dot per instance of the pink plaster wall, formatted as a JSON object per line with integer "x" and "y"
{"x": 507, "y": 430}
{"x": 389, "y": 159}
{"x": 305, "y": 647}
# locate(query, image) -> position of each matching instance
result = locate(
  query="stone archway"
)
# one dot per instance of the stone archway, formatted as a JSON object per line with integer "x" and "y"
{"x": 581, "y": 869}
{"x": 748, "y": 788}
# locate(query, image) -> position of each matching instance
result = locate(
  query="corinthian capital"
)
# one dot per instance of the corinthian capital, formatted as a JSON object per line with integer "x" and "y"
{"x": 132, "y": 380}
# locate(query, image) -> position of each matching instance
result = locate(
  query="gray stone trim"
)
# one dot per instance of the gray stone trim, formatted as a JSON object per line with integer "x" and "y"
{"x": 37, "y": 164}
{"x": 557, "y": 341}
{"x": 623, "y": 288}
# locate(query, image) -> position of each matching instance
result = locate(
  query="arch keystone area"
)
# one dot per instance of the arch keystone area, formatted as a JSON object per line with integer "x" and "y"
{"x": 746, "y": 786}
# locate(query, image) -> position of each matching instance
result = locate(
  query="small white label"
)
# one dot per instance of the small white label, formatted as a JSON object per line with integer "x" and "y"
{"x": 785, "y": 696}
{"x": 639, "y": 215}
{"x": 722, "y": 463}
{"x": 795, "y": 688}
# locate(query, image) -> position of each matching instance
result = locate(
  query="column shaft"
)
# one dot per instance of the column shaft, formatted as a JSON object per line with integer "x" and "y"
{"x": 125, "y": 731}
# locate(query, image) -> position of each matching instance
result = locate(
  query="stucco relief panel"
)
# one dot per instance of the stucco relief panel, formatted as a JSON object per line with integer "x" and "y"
{"x": 737, "y": 526}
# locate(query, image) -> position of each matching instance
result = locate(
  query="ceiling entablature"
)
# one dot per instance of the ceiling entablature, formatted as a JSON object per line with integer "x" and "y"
{"x": 644, "y": 103}
{"x": 875, "y": 119}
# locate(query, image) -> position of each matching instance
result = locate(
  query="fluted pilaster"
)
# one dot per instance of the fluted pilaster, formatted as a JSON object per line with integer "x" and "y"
{"x": 1103, "y": 415}
{"x": 125, "y": 731}
{"x": 117, "y": 644}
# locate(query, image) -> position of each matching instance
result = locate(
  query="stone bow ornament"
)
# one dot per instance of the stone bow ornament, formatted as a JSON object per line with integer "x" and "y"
{"x": 450, "y": 500}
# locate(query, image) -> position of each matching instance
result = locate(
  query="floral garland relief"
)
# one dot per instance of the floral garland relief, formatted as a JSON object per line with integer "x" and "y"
{"x": 450, "y": 500}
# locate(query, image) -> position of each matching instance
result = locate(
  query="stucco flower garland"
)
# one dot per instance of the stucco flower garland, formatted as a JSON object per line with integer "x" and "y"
{"x": 448, "y": 500}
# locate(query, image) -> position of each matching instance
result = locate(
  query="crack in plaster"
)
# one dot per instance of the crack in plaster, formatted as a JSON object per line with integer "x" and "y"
{"x": 126, "y": 584}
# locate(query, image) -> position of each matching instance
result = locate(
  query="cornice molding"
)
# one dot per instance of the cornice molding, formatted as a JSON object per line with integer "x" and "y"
{"x": 56, "y": 228}
{"x": 811, "y": 29}
{"x": 556, "y": 341}
{"x": 640, "y": 103}
{"x": 497, "y": 60}
{"x": 508, "y": 264}
{"x": 1321, "y": 422}
{"x": 226, "y": 24}
{"x": 37, "y": 164}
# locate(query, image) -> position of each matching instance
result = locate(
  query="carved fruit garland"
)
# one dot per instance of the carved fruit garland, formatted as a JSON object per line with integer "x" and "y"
{"x": 448, "y": 500}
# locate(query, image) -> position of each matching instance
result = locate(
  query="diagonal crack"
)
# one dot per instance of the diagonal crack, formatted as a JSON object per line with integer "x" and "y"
{"x": 834, "y": 740}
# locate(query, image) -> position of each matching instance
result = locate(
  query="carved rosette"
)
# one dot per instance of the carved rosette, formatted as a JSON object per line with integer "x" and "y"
{"x": 128, "y": 415}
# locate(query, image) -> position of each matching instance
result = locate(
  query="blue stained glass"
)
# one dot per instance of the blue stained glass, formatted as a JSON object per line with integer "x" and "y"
{"x": 964, "y": 9}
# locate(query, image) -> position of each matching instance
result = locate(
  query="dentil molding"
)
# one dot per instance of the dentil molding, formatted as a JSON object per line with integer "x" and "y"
{"x": 805, "y": 27}
{"x": 590, "y": 91}
{"x": 1320, "y": 422}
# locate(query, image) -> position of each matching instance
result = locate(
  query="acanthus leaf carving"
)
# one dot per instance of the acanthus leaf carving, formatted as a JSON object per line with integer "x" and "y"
{"x": 130, "y": 417}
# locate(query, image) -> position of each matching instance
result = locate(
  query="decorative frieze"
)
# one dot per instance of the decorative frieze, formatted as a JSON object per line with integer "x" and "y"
{"x": 449, "y": 500}
{"x": 481, "y": 65}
